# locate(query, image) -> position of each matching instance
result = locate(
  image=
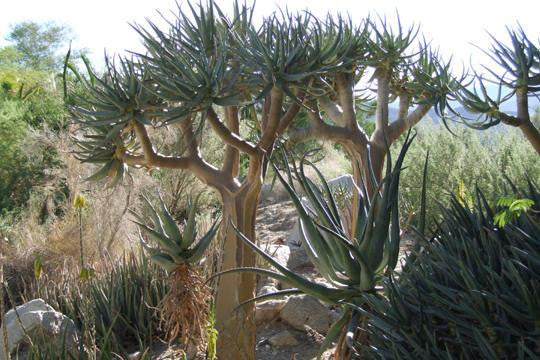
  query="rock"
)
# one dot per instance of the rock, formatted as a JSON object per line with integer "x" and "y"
{"x": 268, "y": 289}
{"x": 284, "y": 338}
{"x": 304, "y": 310}
{"x": 327, "y": 355}
{"x": 298, "y": 258}
{"x": 38, "y": 319}
{"x": 343, "y": 182}
{"x": 294, "y": 238}
{"x": 135, "y": 356}
{"x": 280, "y": 253}
{"x": 268, "y": 311}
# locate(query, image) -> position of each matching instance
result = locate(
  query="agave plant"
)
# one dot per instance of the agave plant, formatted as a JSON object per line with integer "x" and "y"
{"x": 175, "y": 247}
{"x": 469, "y": 291}
{"x": 351, "y": 264}
{"x": 184, "y": 310}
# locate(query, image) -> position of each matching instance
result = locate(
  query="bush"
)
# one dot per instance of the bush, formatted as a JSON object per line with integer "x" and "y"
{"x": 462, "y": 162}
{"x": 470, "y": 292}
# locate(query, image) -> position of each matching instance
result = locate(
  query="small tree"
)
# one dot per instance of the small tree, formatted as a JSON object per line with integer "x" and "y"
{"x": 518, "y": 76}
{"x": 208, "y": 69}
{"x": 37, "y": 44}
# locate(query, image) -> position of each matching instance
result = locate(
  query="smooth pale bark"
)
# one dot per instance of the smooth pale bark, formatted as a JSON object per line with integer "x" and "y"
{"x": 532, "y": 134}
{"x": 237, "y": 331}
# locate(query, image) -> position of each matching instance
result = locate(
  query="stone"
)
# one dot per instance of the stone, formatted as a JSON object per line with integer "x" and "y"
{"x": 37, "y": 319}
{"x": 268, "y": 311}
{"x": 298, "y": 258}
{"x": 284, "y": 338}
{"x": 343, "y": 182}
{"x": 268, "y": 289}
{"x": 280, "y": 253}
{"x": 301, "y": 310}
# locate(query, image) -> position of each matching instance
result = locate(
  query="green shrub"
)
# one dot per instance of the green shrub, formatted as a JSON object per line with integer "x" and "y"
{"x": 471, "y": 291}
{"x": 26, "y": 155}
{"x": 471, "y": 158}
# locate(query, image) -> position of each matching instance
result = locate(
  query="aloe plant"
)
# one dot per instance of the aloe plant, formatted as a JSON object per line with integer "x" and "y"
{"x": 470, "y": 290}
{"x": 114, "y": 310}
{"x": 173, "y": 246}
{"x": 351, "y": 264}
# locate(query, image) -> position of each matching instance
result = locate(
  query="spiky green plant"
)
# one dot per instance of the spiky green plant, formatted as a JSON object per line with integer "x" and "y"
{"x": 173, "y": 246}
{"x": 352, "y": 265}
{"x": 184, "y": 311}
{"x": 115, "y": 309}
{"x": 469, "y": 291}
{"x": 517, "y": 75}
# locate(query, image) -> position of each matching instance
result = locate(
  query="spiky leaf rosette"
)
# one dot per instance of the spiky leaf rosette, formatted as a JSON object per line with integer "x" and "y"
{"x": 173, "y": 246}
{"x": 184, "y": 310}
{"x": 471, "y": 291}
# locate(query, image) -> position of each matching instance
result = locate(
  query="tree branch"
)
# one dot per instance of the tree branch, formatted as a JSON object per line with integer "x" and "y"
{"x": 345, "y": 89}
{"x": 274, "y": 116}
{"x": 318, "y": 129}
{"x": 331, "y": 109}
{"x": 405, "y": 123}
{"x": 150, "y": 158}
{"x": 193, "y": 162}
{"x": 186, "y": 126}
{"x": 383, "y": 94}
{"x": 229, "y": 137}
{"x": 232, "y": 155}
{"x": 289, "y": 116}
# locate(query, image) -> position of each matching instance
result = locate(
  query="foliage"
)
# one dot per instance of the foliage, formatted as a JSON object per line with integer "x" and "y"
{"x": 469, "y": 291}
{"x": 512, "y": 209}
{"x": 471, "y": 158}
{"x": 25, "y": 157}
{"x": 175, "y": 247}
{"x": 37, "y": 44}
{"x": 117, "y": 308}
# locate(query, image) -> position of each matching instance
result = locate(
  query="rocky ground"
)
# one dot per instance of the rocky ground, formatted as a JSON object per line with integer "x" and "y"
{"x": 293, "y": 327}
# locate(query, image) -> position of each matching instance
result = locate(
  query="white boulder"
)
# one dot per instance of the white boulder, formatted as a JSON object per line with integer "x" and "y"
{"x": 36, "y": 318}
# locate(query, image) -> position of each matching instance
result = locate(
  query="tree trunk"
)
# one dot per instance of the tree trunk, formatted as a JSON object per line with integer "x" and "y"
{"x": 237, "y": 331}
{"x": 361, "y": 175}
{"x": 532, "y": 134}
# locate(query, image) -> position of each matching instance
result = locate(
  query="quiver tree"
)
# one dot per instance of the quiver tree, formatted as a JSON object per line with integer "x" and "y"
{"x": 372, "y": 62}
{"x": 518, "y": 76}
{"x": 209, "y": 72}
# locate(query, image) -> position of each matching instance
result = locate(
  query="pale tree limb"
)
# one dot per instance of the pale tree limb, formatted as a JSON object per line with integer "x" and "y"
{"x": 331, "y": 109}
{"x": 274, "y": 116}
{"x": 232, "y": 155}
{"x": 150, "y": 158}
{"x": 229, "y": 137}
{"x": 400, "y": 126}
{"x": 383, "y": 94}
{"x": 345, "y": 90}
{"x": 527, "y": 128}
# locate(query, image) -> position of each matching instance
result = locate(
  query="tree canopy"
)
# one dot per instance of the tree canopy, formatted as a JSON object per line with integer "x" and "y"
{"x": 36, "y": 45}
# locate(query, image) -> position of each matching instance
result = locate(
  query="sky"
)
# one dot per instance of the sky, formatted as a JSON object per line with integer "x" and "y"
{"x": 453, "y": 26}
